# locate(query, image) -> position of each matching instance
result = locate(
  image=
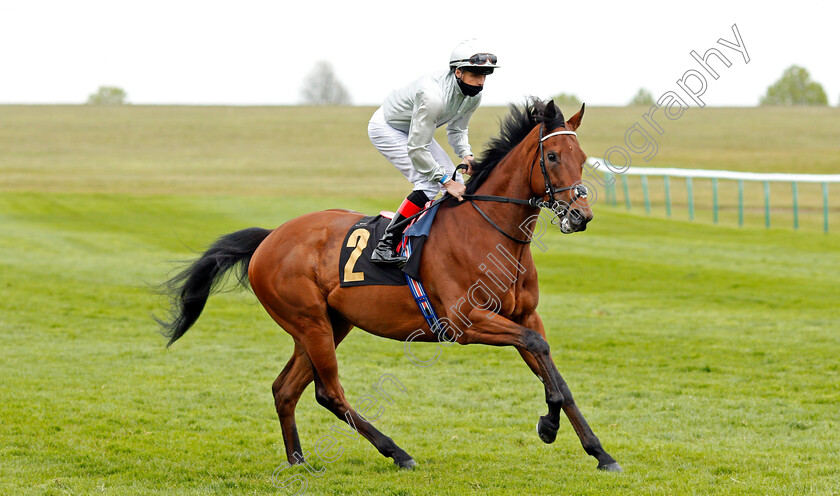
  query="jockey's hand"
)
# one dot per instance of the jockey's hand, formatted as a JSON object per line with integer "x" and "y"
{"x": 469, "y": 161}
{"x": 455, "y": 189}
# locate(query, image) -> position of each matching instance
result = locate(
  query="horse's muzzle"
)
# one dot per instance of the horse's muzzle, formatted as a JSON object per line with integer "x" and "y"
{"x": 575, "y": 221}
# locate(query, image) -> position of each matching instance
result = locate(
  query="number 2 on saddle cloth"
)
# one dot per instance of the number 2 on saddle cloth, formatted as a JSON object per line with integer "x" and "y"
{"x": 356, "y": 269}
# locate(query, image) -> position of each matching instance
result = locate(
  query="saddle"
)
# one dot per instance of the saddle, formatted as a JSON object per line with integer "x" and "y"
{"x": 354, "y": 265}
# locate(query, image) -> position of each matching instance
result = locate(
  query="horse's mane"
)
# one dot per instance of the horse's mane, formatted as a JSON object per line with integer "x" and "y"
{"x": 514, "y": 128}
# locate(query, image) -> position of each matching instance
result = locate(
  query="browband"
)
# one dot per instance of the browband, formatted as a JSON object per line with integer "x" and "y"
{"x": 556, "y": 133}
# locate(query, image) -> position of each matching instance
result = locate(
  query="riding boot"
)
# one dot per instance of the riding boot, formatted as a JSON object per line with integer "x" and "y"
{"x": 386, "y": 249}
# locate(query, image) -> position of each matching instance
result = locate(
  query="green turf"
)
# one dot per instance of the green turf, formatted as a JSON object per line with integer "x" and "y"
{"x": 704, "y": 357}
{"x": 758, "y": 139}
{"x": 300, "y": 150}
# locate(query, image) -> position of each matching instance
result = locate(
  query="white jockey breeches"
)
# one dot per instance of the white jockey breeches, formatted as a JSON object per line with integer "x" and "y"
{"x": 393, "y": 144}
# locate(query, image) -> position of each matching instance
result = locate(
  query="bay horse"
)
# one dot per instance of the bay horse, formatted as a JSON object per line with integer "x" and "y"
{"x": 293, "y": 270}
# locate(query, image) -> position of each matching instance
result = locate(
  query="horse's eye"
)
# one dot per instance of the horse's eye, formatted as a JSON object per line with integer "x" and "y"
{"x": 552, "y": 157}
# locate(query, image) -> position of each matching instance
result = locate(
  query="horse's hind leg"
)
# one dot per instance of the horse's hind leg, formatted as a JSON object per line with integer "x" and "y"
{"x": 287, "y": 388}
{"x": 290, "y": 384}
{"x": 303, "y": 313}
{"x": 329, "y": 393}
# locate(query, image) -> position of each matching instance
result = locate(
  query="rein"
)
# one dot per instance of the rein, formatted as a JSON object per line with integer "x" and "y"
{"x": 556, "y": 206}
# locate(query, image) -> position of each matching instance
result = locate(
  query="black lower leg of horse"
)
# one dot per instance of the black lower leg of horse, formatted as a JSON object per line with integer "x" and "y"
{"x": 588, "y": 439}
{"x": 538, "y": 357}
{"x": 287, "y": 388}
{"x": 331, "y": 398}
{"x": 549, "y": 424}
{"x": 290, "y": 384}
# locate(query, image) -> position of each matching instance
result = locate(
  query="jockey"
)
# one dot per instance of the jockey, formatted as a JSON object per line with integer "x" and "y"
{"x": 403, "y": 129}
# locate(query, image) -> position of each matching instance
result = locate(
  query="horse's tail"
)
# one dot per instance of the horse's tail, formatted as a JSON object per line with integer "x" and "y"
{"x": 189, "y": 290}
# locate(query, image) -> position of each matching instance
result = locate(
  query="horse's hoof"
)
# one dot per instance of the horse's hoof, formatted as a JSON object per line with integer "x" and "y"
{"x": 611, "y": 467}
{"x": 406, "y": 464}
{"x": 546, "y": 432}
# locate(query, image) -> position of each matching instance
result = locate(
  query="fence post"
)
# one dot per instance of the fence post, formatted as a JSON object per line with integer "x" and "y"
{"x": 645, "y": 192}
{"x": 715, "y": 199}
{"x": 767, "y": 204}
{"x": 795, "y": 205}
{"x": 614, "y": 192}
{"x": 667, "y": 182}
{"x": 626, "y": 191}
{"x": 740, "y": 203}
{"x": 690, "y": 191}
{"x": 606, "y": 187}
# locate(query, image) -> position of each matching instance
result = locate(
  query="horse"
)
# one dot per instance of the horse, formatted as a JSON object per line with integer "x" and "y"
{"x": 535, "y": 161}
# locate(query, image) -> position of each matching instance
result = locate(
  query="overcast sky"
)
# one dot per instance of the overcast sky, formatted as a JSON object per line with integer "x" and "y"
{"x": 259, "y": 52}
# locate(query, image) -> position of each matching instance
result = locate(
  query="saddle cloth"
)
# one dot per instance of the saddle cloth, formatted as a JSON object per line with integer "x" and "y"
{"x": 354, "y": 265}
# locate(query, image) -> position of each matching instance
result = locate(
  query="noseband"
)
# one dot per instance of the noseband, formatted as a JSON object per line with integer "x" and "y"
{"x": 553, "y": 204}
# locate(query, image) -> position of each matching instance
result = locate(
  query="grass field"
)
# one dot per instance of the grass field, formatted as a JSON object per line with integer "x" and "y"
{"x": 704, "y": 357}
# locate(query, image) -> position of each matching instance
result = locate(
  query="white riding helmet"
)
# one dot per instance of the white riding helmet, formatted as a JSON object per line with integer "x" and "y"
{"x": 470, "y": 56}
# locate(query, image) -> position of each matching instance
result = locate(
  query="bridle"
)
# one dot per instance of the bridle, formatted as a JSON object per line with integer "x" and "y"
{"x": 559, "y": 207}
{"x": 550, "y": 189}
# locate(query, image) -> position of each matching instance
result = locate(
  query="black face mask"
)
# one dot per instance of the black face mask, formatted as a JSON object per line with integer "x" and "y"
{"x": 469, "y": 89}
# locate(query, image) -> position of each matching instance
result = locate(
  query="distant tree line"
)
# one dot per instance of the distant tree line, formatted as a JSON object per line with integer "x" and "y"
{"x": 322, "y": 87}
{"x": 642, "y": 98}
{"x": 108, "y": 95}
{"x": 795, "y": 87}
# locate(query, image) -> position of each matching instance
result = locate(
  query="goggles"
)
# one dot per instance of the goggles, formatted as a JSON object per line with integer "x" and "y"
{"x": 480, "y": 59}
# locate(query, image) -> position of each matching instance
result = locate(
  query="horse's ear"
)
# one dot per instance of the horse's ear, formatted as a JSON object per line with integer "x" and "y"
{"x": 574, "y": 122}
{"x": 550, "y": 111}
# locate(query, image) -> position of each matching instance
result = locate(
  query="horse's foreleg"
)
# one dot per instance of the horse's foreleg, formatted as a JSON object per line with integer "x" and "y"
{"x": 499, "y": 331}
{"x": 591, "y": 443}
{"x": 549, "y": 424}
{"x": 529, "y": 340}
